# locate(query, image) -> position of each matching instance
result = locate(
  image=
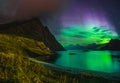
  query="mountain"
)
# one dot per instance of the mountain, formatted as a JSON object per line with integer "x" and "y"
{"x": 90, "y": 46}
{"x": 29, "y": 38}
{"x": 32, "y": 29}
{"x": 74, "y": 47}
{"x": 114, "y": 44}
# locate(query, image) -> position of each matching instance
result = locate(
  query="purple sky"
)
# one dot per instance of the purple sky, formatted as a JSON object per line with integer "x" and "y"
{"x": 77, "y": 23}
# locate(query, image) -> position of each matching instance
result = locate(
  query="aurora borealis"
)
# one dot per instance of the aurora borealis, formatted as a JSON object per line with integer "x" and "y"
{"x": 84, "y": 24}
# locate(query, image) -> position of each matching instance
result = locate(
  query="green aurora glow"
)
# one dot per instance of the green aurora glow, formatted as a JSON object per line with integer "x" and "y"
{"x": 78, "y": 35}
{"x": 85, "y": 25}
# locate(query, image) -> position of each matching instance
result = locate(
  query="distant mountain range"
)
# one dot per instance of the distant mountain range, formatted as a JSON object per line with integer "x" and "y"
{"x": 90, "y": 46}
{"x": 114, "y": 44}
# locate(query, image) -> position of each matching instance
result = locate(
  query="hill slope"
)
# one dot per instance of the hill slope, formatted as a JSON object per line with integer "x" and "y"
{"x": 32, "y": 29}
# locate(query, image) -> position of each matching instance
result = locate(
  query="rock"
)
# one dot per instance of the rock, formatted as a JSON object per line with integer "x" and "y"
{"x": 114, "y": 44}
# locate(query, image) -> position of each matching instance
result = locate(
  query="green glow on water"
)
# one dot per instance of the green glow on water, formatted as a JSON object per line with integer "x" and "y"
{"x": 91, "y": 60}
{"x": 99, "y": 61}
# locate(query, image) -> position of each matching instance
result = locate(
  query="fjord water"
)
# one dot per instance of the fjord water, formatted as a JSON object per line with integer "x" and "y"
{"x": 101, "y": 61}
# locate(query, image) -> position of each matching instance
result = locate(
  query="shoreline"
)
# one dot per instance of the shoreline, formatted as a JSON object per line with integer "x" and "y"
{"x": 76, "y": 71}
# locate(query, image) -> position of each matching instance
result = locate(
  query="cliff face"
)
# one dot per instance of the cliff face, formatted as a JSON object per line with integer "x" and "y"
{"x": 114, "y": 44}
{"x": 32, "y": 29}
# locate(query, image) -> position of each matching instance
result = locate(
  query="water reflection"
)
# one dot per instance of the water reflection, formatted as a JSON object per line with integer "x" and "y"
{"x": 102, "y": 61}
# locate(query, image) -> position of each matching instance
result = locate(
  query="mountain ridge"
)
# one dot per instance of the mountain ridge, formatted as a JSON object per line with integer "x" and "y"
{"x": 32, "y": 29}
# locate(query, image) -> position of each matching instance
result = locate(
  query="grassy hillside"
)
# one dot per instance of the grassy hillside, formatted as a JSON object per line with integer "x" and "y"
{"x": 25, "y": 46}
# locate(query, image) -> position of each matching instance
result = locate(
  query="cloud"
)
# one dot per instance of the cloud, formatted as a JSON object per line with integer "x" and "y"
{"x": 11, "y": 10}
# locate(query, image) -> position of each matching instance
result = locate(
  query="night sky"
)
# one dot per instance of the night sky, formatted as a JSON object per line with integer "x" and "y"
{"x": 80, "y": 22}
{"x": 88, "y": 21}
